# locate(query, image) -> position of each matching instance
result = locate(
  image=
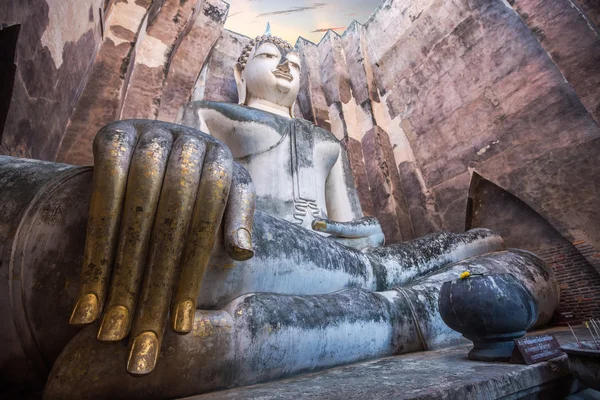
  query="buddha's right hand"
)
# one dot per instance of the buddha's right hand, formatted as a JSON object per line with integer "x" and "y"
{"x": 360, "y": 234}
{"x": 160, "y": 192}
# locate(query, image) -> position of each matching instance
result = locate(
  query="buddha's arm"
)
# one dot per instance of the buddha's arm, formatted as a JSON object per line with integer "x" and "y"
{"x": 346, "y": 222}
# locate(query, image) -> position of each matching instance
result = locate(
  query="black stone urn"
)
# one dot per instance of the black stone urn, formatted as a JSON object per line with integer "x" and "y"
{"x": 490, "y": 310}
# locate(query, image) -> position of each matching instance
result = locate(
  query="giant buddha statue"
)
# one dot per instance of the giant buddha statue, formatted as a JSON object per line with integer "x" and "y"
{"x": 224, "y": 250}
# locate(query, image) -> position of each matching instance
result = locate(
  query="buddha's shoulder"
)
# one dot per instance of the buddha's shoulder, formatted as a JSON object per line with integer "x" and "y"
{"x": 235, "y": 112}
{"x": 217, "y": 112}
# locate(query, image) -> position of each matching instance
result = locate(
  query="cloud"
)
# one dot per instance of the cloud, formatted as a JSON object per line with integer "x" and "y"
{"x": 292, "y": 10}
{"x": 341, "y": 28}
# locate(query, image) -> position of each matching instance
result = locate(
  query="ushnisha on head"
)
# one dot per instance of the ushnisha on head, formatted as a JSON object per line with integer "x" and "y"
{"x": 267, "y": 75}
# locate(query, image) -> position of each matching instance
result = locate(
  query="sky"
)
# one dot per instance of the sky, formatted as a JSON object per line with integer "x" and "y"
{"x": 293, "y": 18}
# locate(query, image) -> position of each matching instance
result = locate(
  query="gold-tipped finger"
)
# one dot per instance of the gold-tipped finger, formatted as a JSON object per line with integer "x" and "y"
{"x": 113, "y": 147}
{"x": 86, "y": 310}
{"x": 319, "y": 225}
{"x": 144, "y": 353}
{"x": 145, "y": 179}
{"x": 114, "y": 324}
{"x": 175, "y": 207}
{"x": 208, "y": 212}
{"x": 183, "y": 318}
{"x": 242, "y": 245}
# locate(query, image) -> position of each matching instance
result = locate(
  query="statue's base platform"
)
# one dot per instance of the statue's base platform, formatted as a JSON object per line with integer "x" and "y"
{"x": 438, "y": 374}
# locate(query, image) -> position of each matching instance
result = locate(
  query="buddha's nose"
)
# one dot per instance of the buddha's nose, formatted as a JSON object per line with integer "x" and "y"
{"x": 284, "y": 66}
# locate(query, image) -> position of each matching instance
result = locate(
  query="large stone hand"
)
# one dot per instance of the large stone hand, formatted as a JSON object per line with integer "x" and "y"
{"x": 160, "y": 192}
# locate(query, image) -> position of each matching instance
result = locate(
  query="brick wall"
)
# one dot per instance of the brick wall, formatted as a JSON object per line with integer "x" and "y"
{"x": 589, "y": 252}
{"x": 579, "y": 282}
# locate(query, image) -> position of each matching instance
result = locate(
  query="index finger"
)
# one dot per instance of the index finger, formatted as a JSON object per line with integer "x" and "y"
{"x": 113, "y": 149}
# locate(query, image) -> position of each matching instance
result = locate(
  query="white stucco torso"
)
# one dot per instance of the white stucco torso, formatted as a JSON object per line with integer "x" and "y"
{"x": 289, "y": 160}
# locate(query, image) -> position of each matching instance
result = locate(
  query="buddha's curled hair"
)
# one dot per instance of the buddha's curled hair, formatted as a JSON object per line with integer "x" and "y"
{"x": 243, "y": 58}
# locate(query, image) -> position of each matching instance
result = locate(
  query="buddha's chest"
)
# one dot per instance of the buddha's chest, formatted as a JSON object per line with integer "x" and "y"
{"x": 289, "y": 160}
{"x": 291, "y": 178}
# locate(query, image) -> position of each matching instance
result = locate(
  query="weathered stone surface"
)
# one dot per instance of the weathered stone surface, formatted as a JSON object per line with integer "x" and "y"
{"x": 359, "y": 172}
{"x": 401, "y": 212}
{"x": 573, "y": 43}
{"x": 162, "y": 48}
{"x": 366, "y": 110}
{"x": 100, "y": 101}
{"x": 452, "y": 202}
{"x": 350, "y": 92}
{"x": 154, "y": 51}
{"x": 24, "y": 360}
{"x": 311, "y": 97}
{"x": 441, "y": 374}
{"x": 491, "y": 311}
{"x": 353, "y": 42}
{"x": 591, "y": 9}
{"x": 190, "y": 56}
{"x": 518, "y": 224}
{"x": 334, "y": 72}
{"x": 216, "y": 82}
{"x": 49, "y": 61}
{"x": 359, "y": 112}
{"x": 237, "y": 341}
{"x": 336, "y": 84}
{"x": 388, "y": 201}
{"x": 473, "y": 89}
{"x": 420, "y": 201}
{"x": 570, "y": 202}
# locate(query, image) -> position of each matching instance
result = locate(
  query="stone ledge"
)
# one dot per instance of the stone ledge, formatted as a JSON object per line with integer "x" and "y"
{"x": 445, "y": 373}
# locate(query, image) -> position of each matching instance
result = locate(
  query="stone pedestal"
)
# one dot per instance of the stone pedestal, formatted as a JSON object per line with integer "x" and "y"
{"x": 440, "y": 374}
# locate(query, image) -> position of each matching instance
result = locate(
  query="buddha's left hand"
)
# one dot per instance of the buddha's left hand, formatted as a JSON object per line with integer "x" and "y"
{"x": 359, "y": 234}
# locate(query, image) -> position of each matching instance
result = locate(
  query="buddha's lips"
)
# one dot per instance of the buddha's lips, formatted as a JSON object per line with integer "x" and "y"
{"x": 284, "y": 75}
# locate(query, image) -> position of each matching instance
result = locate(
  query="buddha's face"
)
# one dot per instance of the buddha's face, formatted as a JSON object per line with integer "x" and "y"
{"x": 272, "y": 73}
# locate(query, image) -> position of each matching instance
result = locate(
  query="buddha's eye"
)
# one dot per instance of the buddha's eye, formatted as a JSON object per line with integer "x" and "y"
{"x": 293, "y": 64}
{"x": 268, "y": 55}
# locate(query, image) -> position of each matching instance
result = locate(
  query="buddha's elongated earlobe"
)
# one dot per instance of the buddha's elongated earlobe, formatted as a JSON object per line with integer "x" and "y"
{"x": 240, "y": 83}
{"x": 292, "y": 110}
